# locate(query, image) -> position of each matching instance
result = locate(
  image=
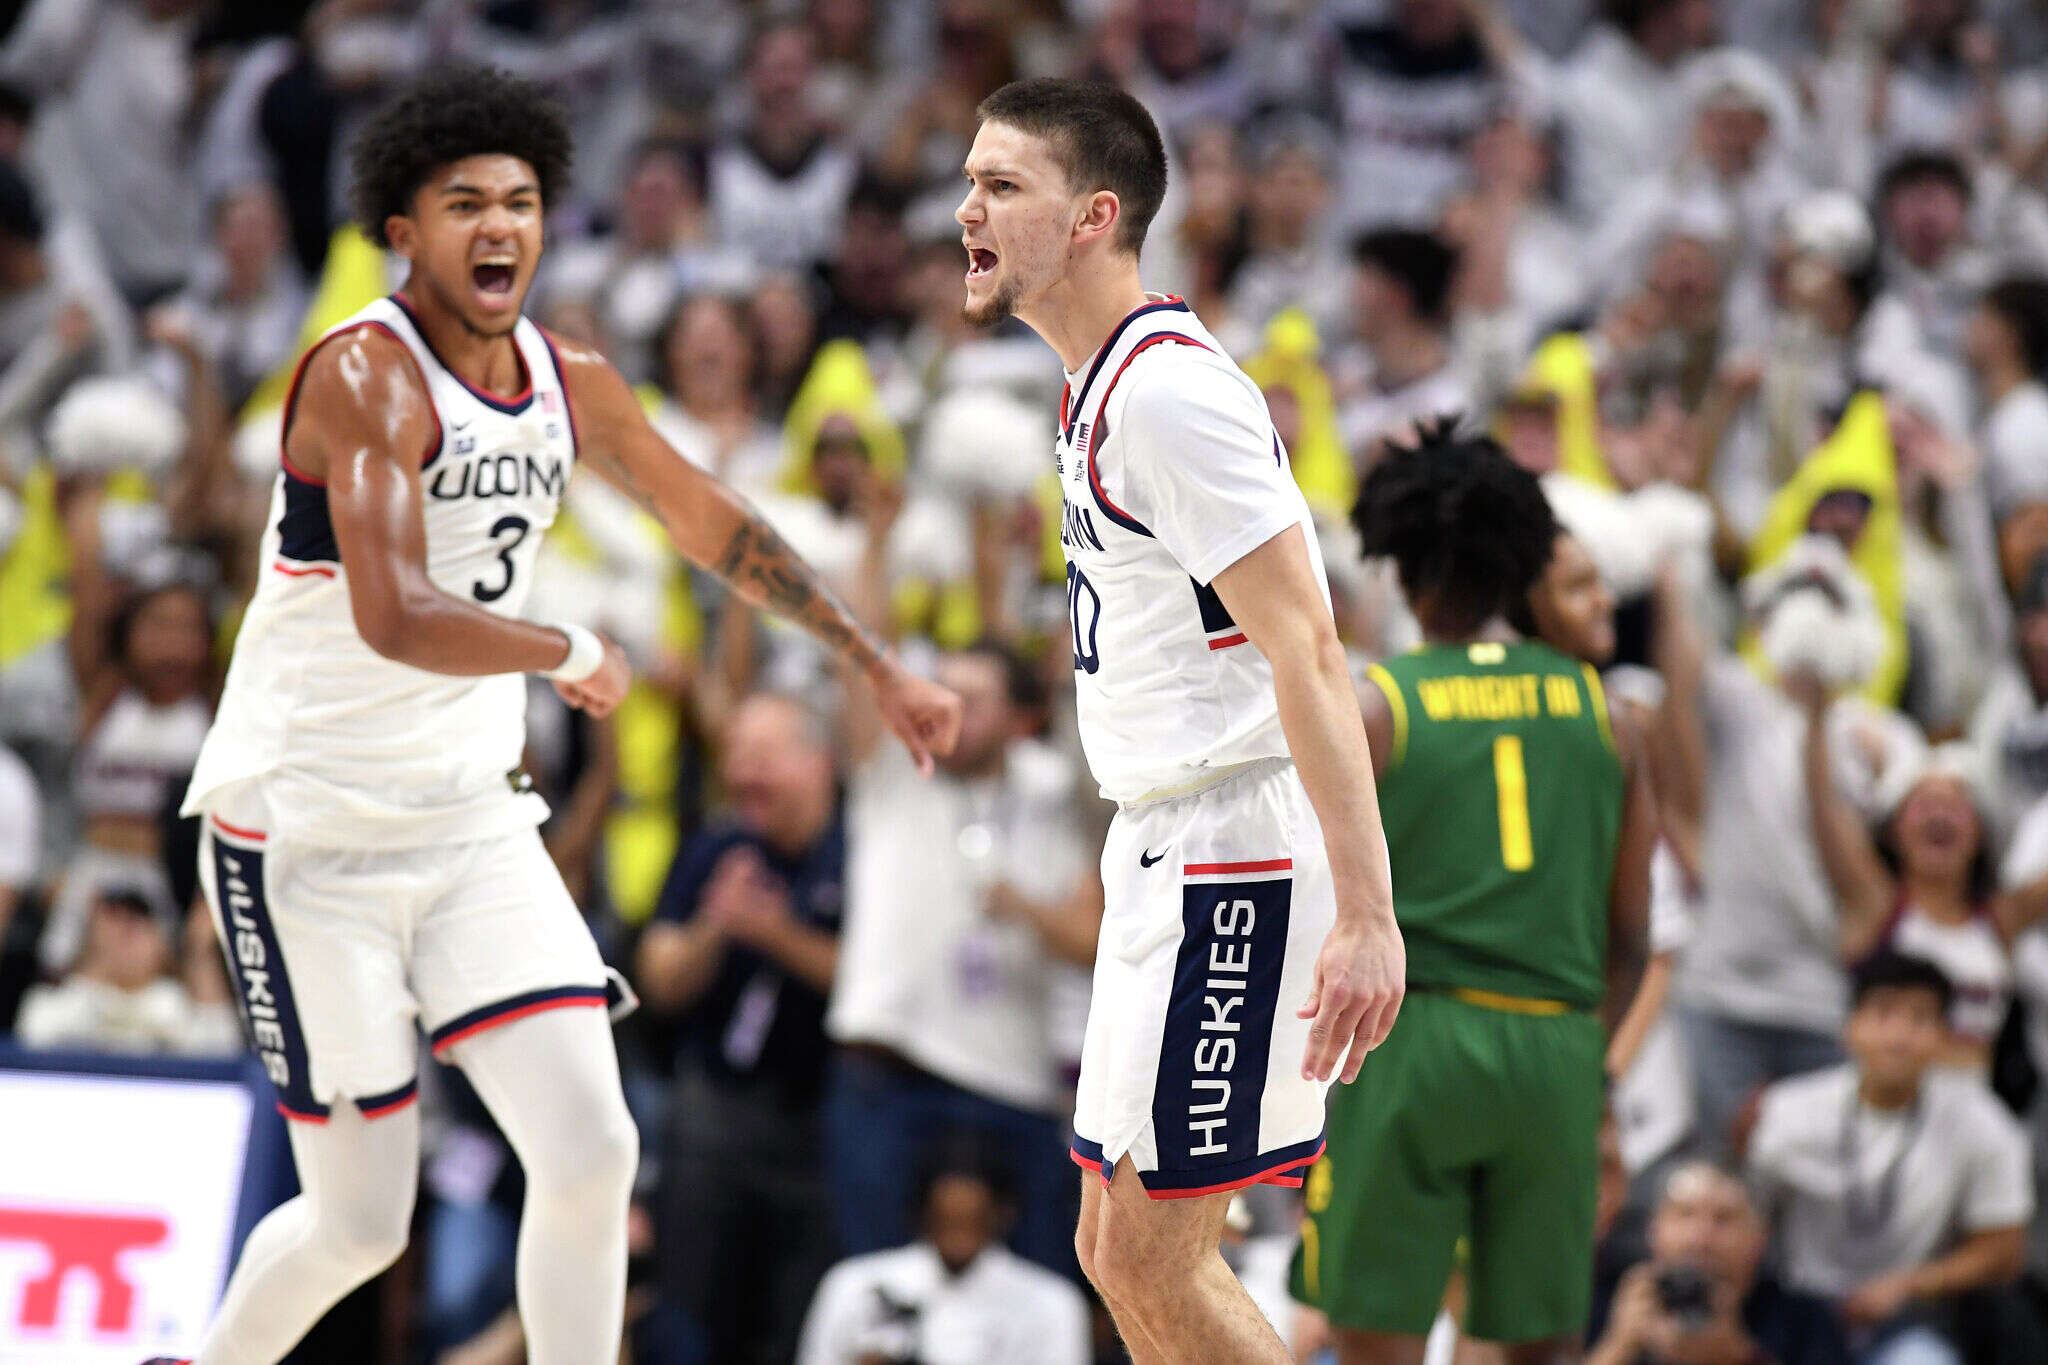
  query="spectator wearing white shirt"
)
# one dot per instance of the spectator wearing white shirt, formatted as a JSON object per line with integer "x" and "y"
{"x": 710, "y": 367}
{"x": 246, "y": 298}
{"x": 1621, "y": 99}
{"x": 778, "y": 189}
{"x": 659, "y": 251}
{"x": 1900, "y": 78}
{"x": 1414, "y": 84}
{"x": 1761, "y": 987}
{"x": 2006, "y": 343}
{"x": 115, "y": 83}
{"x": 1398, "y": 368}
{"x": 120, "y": 997}
{"x": 1522, "y": 264}
{"x": 59, "y": 311}
{"x": 1188, "y": 65}
{"x": 1288, "y": 253}
{"x": 955, "y": 1296}
{"x": 1929, "y": 261}
{"x": 1897, "y": 1188}
{"x": 966, "y": 891}
{"x": 1734, "y": 177}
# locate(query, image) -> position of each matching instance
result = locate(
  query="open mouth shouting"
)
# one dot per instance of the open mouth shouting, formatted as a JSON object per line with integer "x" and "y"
{"x": 981, "y": 262}
{"x": 493, "y": 278}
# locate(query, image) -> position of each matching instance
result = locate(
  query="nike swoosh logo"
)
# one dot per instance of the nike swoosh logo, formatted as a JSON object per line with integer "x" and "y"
{"x": 1148, "y": 857}
{"x": 460, "y": 426}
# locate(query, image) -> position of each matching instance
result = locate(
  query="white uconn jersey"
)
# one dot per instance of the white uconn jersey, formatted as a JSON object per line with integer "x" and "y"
{"x": 1170, "y": 472}
{"x": 362, "y": 750}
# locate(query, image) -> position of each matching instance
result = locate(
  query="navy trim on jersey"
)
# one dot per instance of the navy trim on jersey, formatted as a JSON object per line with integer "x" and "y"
{"x": 512, "y": 407}
{"x": 1173, "y": 305}
{"x": 1109, "y": 509}
{"x": 1215, "y": 616}
{"x": 257, "y": 969}
{"x": 1211, "y": 1081}
{"x": 1100, "y": 431}
{"x": 562, "y": 387}
{"x": 305, "y": 533}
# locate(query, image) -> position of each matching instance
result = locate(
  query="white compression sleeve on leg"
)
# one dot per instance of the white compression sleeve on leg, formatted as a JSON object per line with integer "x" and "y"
{"x": 350, "y": 1219}
{"x": 551, "y": 1080}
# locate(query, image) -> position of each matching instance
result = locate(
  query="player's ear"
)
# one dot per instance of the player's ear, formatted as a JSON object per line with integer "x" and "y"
{"x": 1098, "y": 216}
{"x": 400, "y": 231}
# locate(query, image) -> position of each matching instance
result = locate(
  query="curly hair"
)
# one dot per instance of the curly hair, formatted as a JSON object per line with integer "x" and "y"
{"x": 1468, "y": 529}
{"x": 450, "y": 113}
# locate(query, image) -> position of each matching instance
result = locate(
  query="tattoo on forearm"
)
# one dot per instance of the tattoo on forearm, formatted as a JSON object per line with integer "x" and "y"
{"x": 763, "y": 569}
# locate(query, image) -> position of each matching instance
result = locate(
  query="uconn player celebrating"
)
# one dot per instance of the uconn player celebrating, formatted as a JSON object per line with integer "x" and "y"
{"x": 369, "y": 846}
{"x": 1248, "y": 943}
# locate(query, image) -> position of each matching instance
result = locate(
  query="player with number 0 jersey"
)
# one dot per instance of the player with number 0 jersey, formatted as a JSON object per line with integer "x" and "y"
{"x": 1248, "y": 951}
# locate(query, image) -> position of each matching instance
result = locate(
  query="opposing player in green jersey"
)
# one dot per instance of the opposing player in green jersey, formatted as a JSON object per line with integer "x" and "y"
{"x": 1520, "y": 827}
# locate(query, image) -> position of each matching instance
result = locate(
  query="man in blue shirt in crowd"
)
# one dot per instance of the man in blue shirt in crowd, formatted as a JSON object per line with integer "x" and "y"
{"x": 741, "y": 953}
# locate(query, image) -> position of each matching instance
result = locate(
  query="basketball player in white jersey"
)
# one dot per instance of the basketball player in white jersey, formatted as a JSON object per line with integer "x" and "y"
{"x": 370, "y": 849}
{"x": 1248, "y": 948}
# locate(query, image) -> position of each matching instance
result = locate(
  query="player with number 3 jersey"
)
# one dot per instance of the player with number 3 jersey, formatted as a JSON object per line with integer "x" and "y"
{"x": 369, "y": 844}
{"x": 1248, "y": 952}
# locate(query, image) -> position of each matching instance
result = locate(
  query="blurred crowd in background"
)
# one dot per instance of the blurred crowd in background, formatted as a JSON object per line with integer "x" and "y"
{"x": 1759, "y": 286}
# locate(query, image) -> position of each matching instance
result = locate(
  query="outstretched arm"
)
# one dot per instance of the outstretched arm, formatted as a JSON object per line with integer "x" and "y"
{"x": 362, "y": 426}
{"x": 1861, "y": 884}
{"x": 1628, "y": 897}
{"x": 717, "y": 529}
{"x": 1362, "y": 971}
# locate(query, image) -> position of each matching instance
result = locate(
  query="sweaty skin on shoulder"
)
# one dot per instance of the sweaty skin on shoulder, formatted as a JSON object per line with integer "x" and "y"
{"x": 361, "y": 423}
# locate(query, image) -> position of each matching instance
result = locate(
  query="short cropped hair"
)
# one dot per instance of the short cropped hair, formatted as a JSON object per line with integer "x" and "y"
{"x": 450, "y": 113}
{"x": 1419, "y": 261}
{"x": 1102, "y": 138}
{"x": 2023, "y": 306}
{"x": 1889, "y": 969}
{"x": 1916, "y": 167}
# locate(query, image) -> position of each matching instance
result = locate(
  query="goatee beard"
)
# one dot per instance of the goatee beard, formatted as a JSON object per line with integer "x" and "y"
{"x": 1001, "y": 304}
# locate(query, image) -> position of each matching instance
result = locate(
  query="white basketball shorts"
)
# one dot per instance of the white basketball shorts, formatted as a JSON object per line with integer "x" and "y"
{"x": 338, "y": 957}
{"x": 1216, "y": 905}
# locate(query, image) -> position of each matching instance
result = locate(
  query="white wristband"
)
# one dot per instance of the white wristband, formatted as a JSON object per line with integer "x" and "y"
{"x": 586, "y": 655}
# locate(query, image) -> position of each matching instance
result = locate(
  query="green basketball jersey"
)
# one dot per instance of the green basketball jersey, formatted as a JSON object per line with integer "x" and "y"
{"x": 1502, "y": 801}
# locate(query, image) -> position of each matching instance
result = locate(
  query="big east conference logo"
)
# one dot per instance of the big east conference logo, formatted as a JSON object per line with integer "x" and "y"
{"x": 80, "y": 1242}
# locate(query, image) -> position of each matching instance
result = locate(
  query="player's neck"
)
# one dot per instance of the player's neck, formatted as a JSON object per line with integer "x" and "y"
{"x": 489, "y": 363}
{"x": 1496, "y": 631}
{"x": 1077, "y": 315}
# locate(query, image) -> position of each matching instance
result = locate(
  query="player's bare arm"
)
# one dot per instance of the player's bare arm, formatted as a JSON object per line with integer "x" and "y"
{"x": 1379, "y": 724}
{"x": 717, "y": 529}
{"x": 1628, "y": 895}
{"x": 1361, "y": 972}
{"x": 363, "y": 422}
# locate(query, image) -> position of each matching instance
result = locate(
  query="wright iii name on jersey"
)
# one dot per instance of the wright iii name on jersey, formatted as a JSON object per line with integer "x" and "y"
{"x": 359, "y": 750}
{"x": 1170, "y": 472}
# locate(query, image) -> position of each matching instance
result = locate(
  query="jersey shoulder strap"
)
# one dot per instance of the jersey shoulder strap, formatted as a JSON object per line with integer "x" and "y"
{"x": 382, "y": 315}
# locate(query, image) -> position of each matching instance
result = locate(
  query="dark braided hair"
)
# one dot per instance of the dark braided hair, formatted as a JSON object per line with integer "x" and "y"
{"x": 1468, "y": 529}
{"x": 450, "y": 113}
